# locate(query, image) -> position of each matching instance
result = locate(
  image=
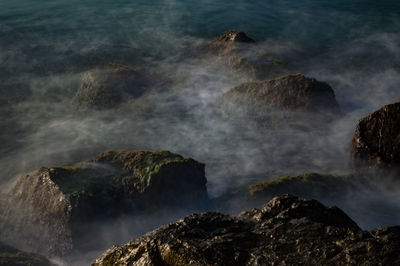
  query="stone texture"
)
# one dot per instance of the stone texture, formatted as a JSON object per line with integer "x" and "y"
{"x": 286, "y": 231}
{"x": 376, "y": 142}
{"x": 51, "y": 210}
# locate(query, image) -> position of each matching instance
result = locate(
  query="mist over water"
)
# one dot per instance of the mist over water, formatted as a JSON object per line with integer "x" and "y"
{"x": 45, "y": 46}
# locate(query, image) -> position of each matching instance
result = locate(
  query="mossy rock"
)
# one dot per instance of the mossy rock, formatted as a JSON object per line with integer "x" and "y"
{"x": 311, "y": 185}
{"x": 10, "y": 256}
{"x": 55, "y": 206}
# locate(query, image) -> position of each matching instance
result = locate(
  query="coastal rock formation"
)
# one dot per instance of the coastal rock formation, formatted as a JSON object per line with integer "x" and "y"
{"x": 292, "y": 95}
{"x": 107, "y": 87}
{"x": 10, "y": 256}
{"x": 376, "y": 143}
{"x": 308, "y": 185}
{"x": 286, "y": 231}
{"x": 239, "y": 53}
{"x": 50, "y": 210}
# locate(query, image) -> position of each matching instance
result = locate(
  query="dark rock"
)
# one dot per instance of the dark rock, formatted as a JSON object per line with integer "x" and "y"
{"x": 286, "y": 231}
{"x": 376, "y": 143}
{"x": 309, "y": 185}
{"x": 239, "y": 53}
{"x": 50, "y": 210}
{"x": 107, "y": 87}
{"x": 10, "y": 256}
{"x": 288, "y": 96}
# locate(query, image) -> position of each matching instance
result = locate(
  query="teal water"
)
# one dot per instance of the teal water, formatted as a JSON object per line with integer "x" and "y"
{"x": 54, "y": 35}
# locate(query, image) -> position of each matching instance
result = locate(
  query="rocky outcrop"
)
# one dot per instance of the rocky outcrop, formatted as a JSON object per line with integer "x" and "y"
{"x": 376, "y": 143}
{"x": 286, "y": 231}
{"x": 10, "y": 256}
{"x": 51, "y": 210}
{"x": 239, "y": 53}
{"x": 288, "y": 96}
{"x": 107, "y": 87}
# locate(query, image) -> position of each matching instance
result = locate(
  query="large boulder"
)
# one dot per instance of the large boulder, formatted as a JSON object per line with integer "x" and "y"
{"x": 52, "y": 210}
{"x": 104, "y": 88}
{"x": 288, "y": 96}
{"x": 376, "y": 143}
{"x": 240, "y": 54}
{"x": 286, "y": 231}
{"x": 10, "y": 256}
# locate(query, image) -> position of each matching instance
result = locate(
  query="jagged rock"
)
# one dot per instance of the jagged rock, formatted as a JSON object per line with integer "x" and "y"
{"x": 238, "y": 52}
{"x": 10, "y": 256}
{"x": 286, "y": 231}
{"x": 376, "y": 143}
{"x": 107, "y": 87}
{"x": 288, "y": 96}
{"x": 50, "y": 210}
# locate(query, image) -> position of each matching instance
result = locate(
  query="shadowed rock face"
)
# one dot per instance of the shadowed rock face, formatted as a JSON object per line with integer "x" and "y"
{"x": 10, "y": 256}
{"x": 292, "y": 95}
{"x": 107, "y": 87}
{"x": 286, "y": 231}
{"x": 376, "y": 143}
{"x": 50, "y": 210}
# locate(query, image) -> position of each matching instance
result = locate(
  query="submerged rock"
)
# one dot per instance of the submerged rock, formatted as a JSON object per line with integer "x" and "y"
{"x": 239, "y": 53}
{"x": 286, "y": 231}
{"x": 376, "y": 143}
{"x": 51, "y": 210}
{"x": 107, "y": 87}
{"x": 10, "y": 256}
{"x": 288, "y": 96}
{"x": 309, "y": 185}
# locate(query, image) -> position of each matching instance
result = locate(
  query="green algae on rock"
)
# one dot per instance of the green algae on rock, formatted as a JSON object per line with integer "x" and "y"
{"x": 54, "y": 206}
{"x": 310, "y": 185}
{"x": 286, "y": 231}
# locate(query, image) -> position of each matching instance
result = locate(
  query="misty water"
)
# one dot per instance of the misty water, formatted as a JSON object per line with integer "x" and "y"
{"x": 46, "y": 45}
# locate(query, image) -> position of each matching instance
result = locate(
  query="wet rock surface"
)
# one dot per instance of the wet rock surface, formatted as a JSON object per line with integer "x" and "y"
{"x": 10, "y": 256}
{"x": 51, "y": 210}
{"x": 241, "y": 55}
{"x": 308, "y": 185}
{"x": 286, "y": 231}
{"x": 376, "y": 143}
{"x": 292, "y": 96}
{"x": 107, "y": 87}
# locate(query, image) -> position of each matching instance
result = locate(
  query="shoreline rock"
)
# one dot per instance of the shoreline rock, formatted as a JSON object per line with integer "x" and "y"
{"x": 287, "y": 230}
{"x": 51, "y": 210}
{"x": 376, "y": 142}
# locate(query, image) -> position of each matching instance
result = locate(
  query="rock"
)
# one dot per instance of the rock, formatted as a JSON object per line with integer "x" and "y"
{"x": 52, "y": 210}
{"x": 107, "y": 87}
{"x": 10, "y": 256}
{"x": 239, "y": 53}
{"x": 308, "y": 185}
{"x": 376, "y": 143}
{"x": 286, "y": 231}
{"x": 288, "y": 96}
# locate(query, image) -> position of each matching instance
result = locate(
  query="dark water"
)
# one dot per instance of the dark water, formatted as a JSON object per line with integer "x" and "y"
{"x": 46, "y": 45}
